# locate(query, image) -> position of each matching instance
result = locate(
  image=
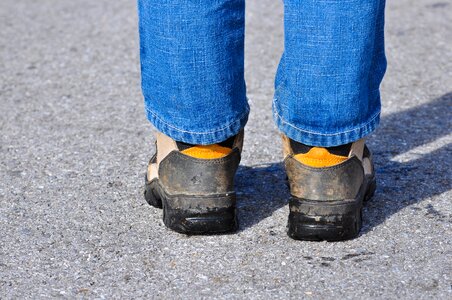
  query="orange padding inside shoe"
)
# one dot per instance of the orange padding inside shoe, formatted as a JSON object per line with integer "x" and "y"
{"x": 319, "y": 158}
{"x": 207, "y": 151}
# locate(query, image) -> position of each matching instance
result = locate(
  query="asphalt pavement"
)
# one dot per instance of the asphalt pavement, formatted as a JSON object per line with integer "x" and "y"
{"x": 75, "y": 143}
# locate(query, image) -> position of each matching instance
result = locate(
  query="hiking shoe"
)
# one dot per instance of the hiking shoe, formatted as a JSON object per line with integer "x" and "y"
{"x": 194, "y": 184}
{"x": 327, "y": 189}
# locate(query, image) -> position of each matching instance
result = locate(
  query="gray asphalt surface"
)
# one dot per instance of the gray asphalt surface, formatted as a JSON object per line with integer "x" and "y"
{"x": 75, "y": 142}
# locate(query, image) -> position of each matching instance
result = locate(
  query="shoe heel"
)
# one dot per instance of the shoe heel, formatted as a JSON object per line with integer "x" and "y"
{"x": 200, "y": 221}
{"x": 324, "y": 221}
{"x": 194, "y": 214}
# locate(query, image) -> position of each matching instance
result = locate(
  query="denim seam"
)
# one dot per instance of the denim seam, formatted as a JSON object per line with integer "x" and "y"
{"x": 199, "y": 133}
{"x": 325, "y": 134}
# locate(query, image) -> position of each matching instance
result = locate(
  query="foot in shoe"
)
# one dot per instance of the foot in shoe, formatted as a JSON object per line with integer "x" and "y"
{"x": 328, "y": 187}
{"x": 194, "y": 184}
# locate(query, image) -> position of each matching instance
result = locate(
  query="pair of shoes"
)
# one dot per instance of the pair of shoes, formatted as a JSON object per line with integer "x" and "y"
{"x": 195, "y": 187}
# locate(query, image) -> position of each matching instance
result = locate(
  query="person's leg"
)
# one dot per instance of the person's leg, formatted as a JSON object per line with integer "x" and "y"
{"x": 193, "y": 83}
{"x": 326, "y": 100}
{"x": 327, "y": 85}
{"x": 192, "y": 68}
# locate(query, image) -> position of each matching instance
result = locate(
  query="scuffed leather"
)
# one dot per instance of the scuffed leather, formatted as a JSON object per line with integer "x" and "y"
{"x": 182, "y": 174}
{"x": 338, "y": 182}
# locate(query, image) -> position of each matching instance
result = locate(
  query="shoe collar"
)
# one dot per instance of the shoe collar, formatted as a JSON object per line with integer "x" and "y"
{"x": 357, "y": 148}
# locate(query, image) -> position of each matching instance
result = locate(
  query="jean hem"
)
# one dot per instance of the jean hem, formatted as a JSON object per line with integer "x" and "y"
{"x": 341, "y": 137}
{"x": 213, "y": 136}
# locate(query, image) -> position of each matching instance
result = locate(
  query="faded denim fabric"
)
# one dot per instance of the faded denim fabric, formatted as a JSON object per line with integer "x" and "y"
{"x": 327, "y": 83}
{"x": 192, "y": 67}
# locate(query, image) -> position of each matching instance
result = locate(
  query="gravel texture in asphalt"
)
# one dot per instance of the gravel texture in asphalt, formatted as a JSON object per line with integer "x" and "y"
{"x": 75, "y": 143}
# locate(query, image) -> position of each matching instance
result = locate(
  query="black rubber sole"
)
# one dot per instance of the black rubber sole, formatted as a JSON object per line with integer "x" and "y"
{"x": 328, "y": 220}
{"x": 194, "y": 214}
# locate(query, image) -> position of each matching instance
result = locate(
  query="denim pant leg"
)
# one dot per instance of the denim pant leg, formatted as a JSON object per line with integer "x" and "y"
{"x": 327, "y": 84}
{"x": 192, "y": 67}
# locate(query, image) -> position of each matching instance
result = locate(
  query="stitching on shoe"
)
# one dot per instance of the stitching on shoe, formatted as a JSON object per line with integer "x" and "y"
{"x": 182, "y": 156}
{"x": 344, "y": 164}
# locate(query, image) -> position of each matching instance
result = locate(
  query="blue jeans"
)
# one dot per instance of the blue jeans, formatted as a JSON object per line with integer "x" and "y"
{"x": 327, "y": 83}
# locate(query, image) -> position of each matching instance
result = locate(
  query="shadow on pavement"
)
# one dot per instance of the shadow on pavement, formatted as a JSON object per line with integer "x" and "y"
{"x": 423, "y": 174}
{"x": 262, "y": 188}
